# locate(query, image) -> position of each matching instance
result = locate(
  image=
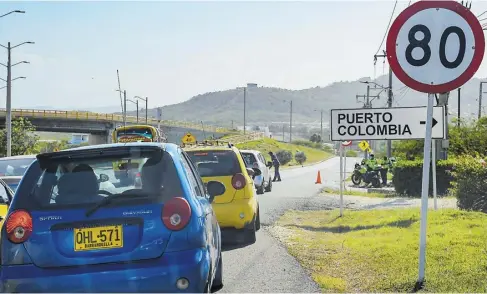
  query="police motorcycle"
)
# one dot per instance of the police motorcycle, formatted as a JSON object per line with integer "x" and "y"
{"x": 368, "y": 175}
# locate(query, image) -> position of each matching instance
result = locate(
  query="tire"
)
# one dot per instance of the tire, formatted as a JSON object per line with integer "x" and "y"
{"x": 250, "y": 233}
{"x": 218, "y": 280}
{"x": 257, "y": 220}
{"x": 356, "y": 179}
{"x": 268, "y": 188}
{"x": 260, "y": 190}
{"x": 375, "y": 182}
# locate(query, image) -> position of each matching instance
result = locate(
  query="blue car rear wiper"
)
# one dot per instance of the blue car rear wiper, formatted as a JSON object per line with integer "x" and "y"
{"x": 109, "y": 199}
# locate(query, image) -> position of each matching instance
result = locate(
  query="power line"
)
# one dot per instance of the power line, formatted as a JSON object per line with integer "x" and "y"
{"x": 387, "y": 28}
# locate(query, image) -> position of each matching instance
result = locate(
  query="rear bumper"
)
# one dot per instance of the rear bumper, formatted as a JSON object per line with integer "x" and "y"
{"x": 155, "y": 275}
{"x": 237, "y": 214}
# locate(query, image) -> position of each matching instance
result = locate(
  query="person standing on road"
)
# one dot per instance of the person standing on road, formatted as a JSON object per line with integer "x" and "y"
{"x": 385, "y": 164}
{"x": 276, "y": 164}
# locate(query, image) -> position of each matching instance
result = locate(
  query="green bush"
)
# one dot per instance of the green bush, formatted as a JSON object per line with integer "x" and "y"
{"x": 309, "y": 144}
{"x": 300, "y": 157}
{"x": 351, "y": 153}
{"x": 470, "y": 186}
{"x": 284, "y": 156}
{"x": 408, "y": 175}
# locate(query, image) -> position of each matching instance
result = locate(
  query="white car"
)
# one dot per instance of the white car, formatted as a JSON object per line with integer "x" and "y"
{"x": 254, "y": 159}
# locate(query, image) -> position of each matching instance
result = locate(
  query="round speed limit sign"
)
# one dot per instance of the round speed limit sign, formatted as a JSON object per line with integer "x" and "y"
{"x": 435, "y": 46}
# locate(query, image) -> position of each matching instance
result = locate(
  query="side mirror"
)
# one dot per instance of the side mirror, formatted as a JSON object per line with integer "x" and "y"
{"x": 257, "y": 172}
{"x": 214, "y": 189}
{"x": 103, "y": 178}
{"x": 250, "y": 172}
{"x": 269, "y": 164}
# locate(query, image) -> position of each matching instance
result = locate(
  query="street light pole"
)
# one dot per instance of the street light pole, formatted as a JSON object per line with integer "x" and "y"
{"x": 245, "y": 102}
{"x": 291, "y": 122}
{"x": 146, "y": 105}
{"x": 8, "y": 123}
{"x": 8, "y": 117}
{"x": 136, "y": 102}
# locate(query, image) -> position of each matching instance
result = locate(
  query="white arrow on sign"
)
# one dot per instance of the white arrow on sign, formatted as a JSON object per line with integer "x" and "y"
{"x": 401, "y": 123}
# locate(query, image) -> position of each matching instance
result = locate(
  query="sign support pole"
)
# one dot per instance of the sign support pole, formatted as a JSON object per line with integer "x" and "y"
{"x": 425, "y": 189}
{"x": 433, "y": 166}
{"x": 341, "y": 180}
{"x": 344, "y": 165}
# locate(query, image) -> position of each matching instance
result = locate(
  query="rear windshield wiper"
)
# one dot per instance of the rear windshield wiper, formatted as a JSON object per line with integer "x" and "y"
{"x": 109, "y": 199}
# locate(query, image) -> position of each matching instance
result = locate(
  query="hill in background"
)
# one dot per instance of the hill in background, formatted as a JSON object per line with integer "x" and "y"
{"x": 271, "y": 105}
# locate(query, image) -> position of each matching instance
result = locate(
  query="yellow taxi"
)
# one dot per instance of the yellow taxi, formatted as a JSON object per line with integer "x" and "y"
{"x": 6, "y": 195}
{"x": 238, "y": 207}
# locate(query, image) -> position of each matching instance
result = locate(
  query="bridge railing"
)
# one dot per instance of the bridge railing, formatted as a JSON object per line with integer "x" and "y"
{"x": 86, "y": 115}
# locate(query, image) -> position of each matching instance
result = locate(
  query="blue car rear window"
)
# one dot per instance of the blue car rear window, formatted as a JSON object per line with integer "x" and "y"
{"x": 83, "y": 180}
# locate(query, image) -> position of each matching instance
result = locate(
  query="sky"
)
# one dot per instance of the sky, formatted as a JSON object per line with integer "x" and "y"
{"x": 171, "y": 51}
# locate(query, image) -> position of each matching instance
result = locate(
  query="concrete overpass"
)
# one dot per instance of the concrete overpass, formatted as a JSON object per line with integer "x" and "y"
{"x": 101, "y": 125}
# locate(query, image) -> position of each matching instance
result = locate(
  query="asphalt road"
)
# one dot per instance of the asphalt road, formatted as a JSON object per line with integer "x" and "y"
{"x": 265, "y": 266}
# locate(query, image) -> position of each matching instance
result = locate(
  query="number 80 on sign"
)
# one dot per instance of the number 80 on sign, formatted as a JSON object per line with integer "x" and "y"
{"x": 435, "y": 46}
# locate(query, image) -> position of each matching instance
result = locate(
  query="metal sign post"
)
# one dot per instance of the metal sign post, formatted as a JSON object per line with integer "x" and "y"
{"x": 341, "y": 180}
{"x": 417, "y": 46}
{"x": 433, "y": 167}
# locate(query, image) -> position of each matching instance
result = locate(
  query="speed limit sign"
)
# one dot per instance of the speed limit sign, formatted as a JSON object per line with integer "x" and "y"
{"x": 435, "y": 46}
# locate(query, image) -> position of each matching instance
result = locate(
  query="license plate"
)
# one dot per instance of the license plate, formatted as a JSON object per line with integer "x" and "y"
{"x": 96, "y": 238}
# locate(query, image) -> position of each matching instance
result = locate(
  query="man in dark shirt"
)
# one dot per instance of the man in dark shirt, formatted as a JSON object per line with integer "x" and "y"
{"x": 276, "y": 164}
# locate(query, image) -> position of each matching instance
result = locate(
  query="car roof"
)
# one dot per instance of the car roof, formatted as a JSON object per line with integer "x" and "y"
{"x": 215, "y": 148}
{"x": 163, "y": 146}
{"x": 32, "y": 156}
{"x": 250, "y": 151}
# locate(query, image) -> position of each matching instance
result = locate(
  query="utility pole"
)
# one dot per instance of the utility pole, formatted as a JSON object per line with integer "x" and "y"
{"x": 458, "y": 120}
{"x": 367, "y": 103}
{"x": 291, "y": 122}
{"x": 480, "y": 99}
{"x": 321, "y": 126}
{"x": 124, "y": 108}
{"x": 8, "y": 116}
{"x": 389, "y": 98}
{"x": 146, "y": 106}
{"x": 8, "y": 124}
{"x": 245, "y": 102}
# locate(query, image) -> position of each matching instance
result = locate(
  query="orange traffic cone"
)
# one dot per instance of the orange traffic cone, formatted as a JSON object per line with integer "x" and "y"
{"x": 318, "y": 178}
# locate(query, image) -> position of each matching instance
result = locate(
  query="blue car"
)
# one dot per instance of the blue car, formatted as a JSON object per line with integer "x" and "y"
{"x": 64, "y": 233}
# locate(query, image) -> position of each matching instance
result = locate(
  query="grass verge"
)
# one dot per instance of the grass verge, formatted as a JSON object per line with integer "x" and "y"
{"x": 377, "y": 250}
{"x": 358, "y": 193}
{"x": 265, "y": 145}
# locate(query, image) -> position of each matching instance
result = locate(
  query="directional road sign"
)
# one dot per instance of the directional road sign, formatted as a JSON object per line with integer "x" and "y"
{"x": 401, "y": 123}
{"x": 435, "y": 46}
{"x": 188, "y": 139}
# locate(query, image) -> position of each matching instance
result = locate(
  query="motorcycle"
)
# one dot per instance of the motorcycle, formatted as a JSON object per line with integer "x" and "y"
{"x": 369, "y": 176}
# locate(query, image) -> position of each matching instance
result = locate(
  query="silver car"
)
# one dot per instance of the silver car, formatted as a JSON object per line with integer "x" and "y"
{"x": 12, "y": 169}
{"x": 255, "y": 159}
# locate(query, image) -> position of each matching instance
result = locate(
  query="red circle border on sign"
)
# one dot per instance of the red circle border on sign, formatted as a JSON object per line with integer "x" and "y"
{"x": 465, "y": 76}
{"x": 348, "y": 143}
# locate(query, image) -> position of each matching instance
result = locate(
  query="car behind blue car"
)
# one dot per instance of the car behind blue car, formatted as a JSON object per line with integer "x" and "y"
{"x": 64, "y": 234}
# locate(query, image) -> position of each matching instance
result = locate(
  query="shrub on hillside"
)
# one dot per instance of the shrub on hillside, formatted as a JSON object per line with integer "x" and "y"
{"x": 284, "y": 156}
{"x": 470, "y": 186}
{"x": 309, "y": 144}
{"x": 408, "y": 175}
{"x": 300, "y": 157}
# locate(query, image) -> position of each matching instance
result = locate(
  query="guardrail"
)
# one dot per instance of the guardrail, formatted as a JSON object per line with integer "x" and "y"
{"x": 92, "y": 116}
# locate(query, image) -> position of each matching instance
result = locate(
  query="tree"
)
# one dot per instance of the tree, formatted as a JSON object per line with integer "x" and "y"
{"x": 315, "y": 138}
{"x": 23, "y": 137}
{"x": 300, "y": 157}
